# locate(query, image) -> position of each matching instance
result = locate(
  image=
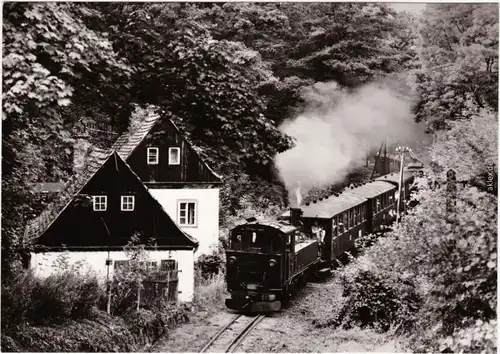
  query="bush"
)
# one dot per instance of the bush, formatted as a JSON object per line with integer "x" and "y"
{"x": 481, "y": 337}
{"x": 208, "y": 266}
{"x": 378, "y": 300}
{"x": 123, "y": 295}
{"x": 17, "y": 306}
{"x": 62, "y": 296}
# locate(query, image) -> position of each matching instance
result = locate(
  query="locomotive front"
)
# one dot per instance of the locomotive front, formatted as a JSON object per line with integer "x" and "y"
{"x": 255, "y": 267}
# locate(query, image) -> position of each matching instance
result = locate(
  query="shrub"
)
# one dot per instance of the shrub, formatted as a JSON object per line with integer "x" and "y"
{"x": 452, "y": 257}
{"x": 207, "y": 266}
{"x": 378, "y": 300}
{"x": 17, "y": 306}
{"x": 480, "y": 337}
{"x": 61, "y": 296}
{"x": 365, "y": 241}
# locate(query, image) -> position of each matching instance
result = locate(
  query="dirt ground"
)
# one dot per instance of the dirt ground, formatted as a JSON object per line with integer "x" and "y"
{"x": 301, "y": 327}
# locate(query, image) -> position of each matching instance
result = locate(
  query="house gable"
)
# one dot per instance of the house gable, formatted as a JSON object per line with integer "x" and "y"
{"x": 165, "y": 141}
{"x": 72, "y": 223}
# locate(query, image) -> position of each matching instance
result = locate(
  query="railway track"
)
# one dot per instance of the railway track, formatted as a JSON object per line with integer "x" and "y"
{"x": 229, "y": 337}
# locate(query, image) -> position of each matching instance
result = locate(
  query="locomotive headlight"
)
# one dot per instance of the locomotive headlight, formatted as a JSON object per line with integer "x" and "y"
{"x": 232, "y": 260}
{"x": 272, "y": 263}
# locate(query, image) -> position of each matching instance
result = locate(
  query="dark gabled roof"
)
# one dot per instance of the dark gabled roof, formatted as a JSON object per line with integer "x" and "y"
{"x": 36, "y": 227}
{"x": 96, "y": 159}
{"x": 194, "y": 148}
{"x": 130, "y": 140}
{"x": 371, "y": 189}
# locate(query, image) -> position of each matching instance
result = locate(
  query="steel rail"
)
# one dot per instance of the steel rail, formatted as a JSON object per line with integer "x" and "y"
{"x": 244, "y": 333}
{"x": 219, "y": 334}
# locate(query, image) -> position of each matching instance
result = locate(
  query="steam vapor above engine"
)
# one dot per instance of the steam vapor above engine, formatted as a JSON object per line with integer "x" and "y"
{"x": 338, "y": 129}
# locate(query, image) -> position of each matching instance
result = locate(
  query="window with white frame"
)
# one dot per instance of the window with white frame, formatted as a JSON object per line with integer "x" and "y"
{"x": 174, "y": 156}
{"x": 100, "y": 202}
{"x": 187, "y": 213}
{"x": 153, "y": 156}
{"x": 127, "y": 203}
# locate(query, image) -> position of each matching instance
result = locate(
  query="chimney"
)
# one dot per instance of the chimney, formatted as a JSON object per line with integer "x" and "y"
{"x": 295, "y": 214}
{"x": 80, "y": 147}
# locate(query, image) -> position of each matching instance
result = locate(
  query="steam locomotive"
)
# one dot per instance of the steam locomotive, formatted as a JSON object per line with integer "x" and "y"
{"x": 267, "y": 261}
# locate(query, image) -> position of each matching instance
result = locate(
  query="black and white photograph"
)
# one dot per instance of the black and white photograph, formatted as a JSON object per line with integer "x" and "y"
{"x": 249, "y": 177}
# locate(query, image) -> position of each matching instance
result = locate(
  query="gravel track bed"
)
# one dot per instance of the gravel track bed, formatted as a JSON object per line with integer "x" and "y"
{"x": 298, "y": 328}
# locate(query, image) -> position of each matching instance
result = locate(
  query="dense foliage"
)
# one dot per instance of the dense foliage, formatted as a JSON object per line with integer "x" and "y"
{"x": 440, "y": 264}
{"x": 459, "y": 54}
{"x": 68, "y": 294}
{"x": 229, "y": 74}
{"x": 374, "y": 299}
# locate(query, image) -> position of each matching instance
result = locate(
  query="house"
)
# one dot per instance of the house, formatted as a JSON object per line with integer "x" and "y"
{"x": 175, "y": 174}
{"x": 94, "y": 216}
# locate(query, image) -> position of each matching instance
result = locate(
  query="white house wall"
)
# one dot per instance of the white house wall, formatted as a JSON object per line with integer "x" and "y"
{"x": 207, "y": 229}
{"x": 43, "y": 265}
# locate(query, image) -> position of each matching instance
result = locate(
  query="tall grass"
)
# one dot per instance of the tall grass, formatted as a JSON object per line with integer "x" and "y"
{"x": 210, "y": 292}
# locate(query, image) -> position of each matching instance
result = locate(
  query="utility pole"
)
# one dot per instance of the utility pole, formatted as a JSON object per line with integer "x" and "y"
{"x": 401, "y": 150}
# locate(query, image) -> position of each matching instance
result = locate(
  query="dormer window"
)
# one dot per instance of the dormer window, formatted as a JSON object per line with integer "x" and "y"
{"x": 153, "y": 156}
{"x": 100, "y": 202}
{"x": 127, "y": 203}
{"x": 174, "y": 156}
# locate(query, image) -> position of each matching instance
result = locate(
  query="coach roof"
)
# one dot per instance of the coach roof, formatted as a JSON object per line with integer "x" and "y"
{"x": 331, "y": 206}
{"x": 394, "y": 177}
{"x": 372, "y": 189}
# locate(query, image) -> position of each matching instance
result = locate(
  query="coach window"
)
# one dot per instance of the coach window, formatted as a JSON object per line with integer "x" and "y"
{"x": 340, "y": 223}
{"x": 335, "y": 228}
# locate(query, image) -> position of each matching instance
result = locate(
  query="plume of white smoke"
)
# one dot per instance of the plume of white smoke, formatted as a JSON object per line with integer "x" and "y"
{"x": 339, "y": 129}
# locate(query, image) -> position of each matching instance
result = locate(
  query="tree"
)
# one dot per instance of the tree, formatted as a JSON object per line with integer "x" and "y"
{"x": 459, "y": 53}
{"x": 47, "y": 52}
{"x": 345, "y": 42}
{"x": 470, "y": 148}
{"x": 451, "y": 258}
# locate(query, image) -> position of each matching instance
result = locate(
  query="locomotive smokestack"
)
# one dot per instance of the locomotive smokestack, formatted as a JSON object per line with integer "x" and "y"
{"x": 295, "y": 214}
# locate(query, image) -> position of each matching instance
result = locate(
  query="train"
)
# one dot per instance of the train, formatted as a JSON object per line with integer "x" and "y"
{"x": 268, "y": 261}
